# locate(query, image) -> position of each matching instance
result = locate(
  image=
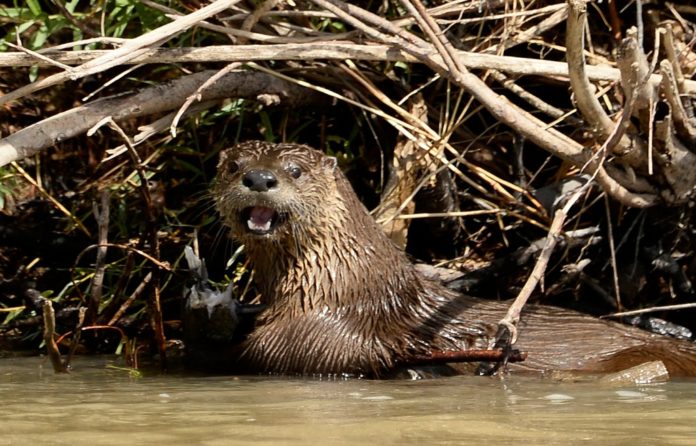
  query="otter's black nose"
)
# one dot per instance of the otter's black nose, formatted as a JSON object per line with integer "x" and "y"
{"x": 260, "y": 180}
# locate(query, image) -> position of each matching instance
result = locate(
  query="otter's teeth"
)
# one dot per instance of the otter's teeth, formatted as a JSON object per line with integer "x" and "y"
{"x": 260, "y": 219}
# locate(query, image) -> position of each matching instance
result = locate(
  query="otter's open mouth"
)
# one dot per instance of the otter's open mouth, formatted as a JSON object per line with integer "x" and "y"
{"x": 261, "y": 220}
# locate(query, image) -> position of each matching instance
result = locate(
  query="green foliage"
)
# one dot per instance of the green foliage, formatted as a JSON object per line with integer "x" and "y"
{"x": 39, "y": 24}
{"x": 11, "y": 313}
{"x": 8, "y": 185}
{"x": 31, "y": 25}
{"x": 331, "y": 25}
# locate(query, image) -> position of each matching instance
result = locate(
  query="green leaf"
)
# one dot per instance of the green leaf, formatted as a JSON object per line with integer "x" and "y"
{"x": 12, "y": 315}
{"x": 11, "y": 13}
{"x": 338, "y": 26}
{"x": 34, "y": 7}
{"x": 40, "y": 37}
{"x": 119, "y": 18}
{"x": 25, "y": 26}
{"x": 71, "y": 5}
{"x": 33, "y": 73}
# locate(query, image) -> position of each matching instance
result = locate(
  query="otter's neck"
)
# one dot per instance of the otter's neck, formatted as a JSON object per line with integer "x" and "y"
{"x": 345, "y": 261}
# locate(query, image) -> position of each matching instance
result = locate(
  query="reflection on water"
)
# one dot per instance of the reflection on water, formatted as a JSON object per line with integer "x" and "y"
{"x": 97, "y": 405}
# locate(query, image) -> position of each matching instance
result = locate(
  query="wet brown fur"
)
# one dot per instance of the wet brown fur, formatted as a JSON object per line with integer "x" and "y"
{"x": 343, "y": 299}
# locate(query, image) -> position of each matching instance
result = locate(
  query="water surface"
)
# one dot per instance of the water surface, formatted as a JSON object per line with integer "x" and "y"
{"x": 100, "y": 405}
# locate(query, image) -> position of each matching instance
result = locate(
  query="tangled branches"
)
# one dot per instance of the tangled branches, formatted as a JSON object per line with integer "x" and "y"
{"x": 496, "y": 104}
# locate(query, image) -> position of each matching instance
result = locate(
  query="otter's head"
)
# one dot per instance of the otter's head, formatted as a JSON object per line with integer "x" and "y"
{"x": 264, "y": 190}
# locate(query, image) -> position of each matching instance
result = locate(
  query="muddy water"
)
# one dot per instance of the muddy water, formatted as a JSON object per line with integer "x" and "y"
{"x": 101, "y": 405}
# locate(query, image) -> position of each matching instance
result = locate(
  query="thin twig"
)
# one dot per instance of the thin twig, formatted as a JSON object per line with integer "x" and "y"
{"x": 507, "y": 327}
{"x": 450, "y": 214}
{"x": 512, "y": 317}
{"x": 197, "y": 95}
{"x": 38, "y": 56}
{"x": 158, "y": 263}
{"x": 612, "y": 253}
{"x": 101, "y": 214}
{"x": 134, "y": 295}
{"x": 153, "y": 241}
{"x": 149, "y": 130}
{"x": 50, "y": 198}
{"x": 444, "y": 357}
{"x": 97, "y": 327}
{"x": 77, "y": 334}
{"x": 653, "y": 309}
{"x": 86, "y": 29}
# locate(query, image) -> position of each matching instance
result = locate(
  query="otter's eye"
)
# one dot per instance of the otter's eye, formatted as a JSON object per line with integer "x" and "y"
{"x": 232, "y": 167}
{"x": 294, "y": 171}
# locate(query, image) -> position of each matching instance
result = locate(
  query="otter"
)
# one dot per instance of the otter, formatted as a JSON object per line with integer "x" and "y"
{"x": 341, "y": 298}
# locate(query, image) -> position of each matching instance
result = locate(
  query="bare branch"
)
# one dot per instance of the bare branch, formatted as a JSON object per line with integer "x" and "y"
{"x": 334, "y": 50}
{"x": 583, "y": 91}
{"x": 160, "y": 98}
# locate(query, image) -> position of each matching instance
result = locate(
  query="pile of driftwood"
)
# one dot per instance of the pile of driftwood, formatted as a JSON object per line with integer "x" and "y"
{"x": 502, "y": 117}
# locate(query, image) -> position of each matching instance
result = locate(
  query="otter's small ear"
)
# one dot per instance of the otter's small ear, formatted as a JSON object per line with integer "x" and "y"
{"x": 330, "y": 162}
